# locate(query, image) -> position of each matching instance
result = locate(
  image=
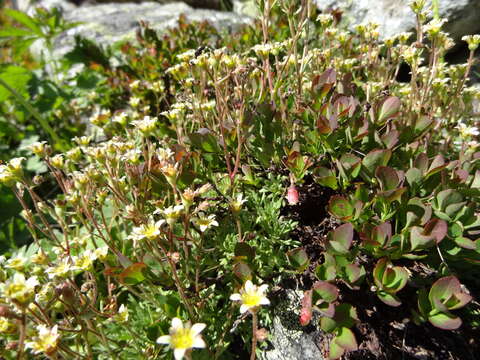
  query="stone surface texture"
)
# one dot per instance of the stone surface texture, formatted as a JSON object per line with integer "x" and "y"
{"x": 395, "y": 16}
{"x": 289, "y": 340}
{"x": 107, "y": 23}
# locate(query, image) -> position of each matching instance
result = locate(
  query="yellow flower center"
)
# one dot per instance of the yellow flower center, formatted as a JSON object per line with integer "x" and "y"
{"x": 150, "y": 232}
{"x": 251, "y": 300}
{"x": 182, "y": 339}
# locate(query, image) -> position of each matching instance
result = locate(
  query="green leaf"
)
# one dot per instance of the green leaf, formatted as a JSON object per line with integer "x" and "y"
{"x": 414, "y": 176}
{"x": 24, "y": 19}
{"x": 342, "y": 235}
{"x": 245, "y": 251}
{"x": 387, "y": 177}
{"x": 326, "y": 291}
{"x": 376, "y": 158}
{"x": 421, "y": 124}
{"x": 204, "y": 140}
{"x": 465, "y": 243}
{"x": 445, "y": 321}
{"x": 389, "y": 299}
{"x": 418, "y": 240}
{"x": 16, "y": 77}
{"x": 133, "y": 274}
{"x": 340, "y": 207}
{"x": 336, "y": 351}
{"x": 298, "y": 258}
{"x": 354, "y": 273}
{"x": 444, "y": 288}
{"x": 388, "y": 108}
{"x": 346, "y": 339}
{"x": 14, "y": 32}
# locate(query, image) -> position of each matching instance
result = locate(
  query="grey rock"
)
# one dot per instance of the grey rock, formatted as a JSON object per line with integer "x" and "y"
{"x": 395, "y": 16}
{"x": 108, "y": 23}
{"x": 288, "y": 338}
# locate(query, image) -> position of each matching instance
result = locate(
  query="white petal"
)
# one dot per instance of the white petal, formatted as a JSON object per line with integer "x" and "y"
{"x": 263, "y": 288}
{"x": 177, "y": 324}
{"x": 197, "y": 328}
{"x": 236, "y": 297}
{"x": 264, "y": 301}
{"x": 178, "y": 353}
{"x": 165, "y": 339}
{"x": 244, "y": 308}
{"x": 199, "y": 343}
{"x": 249, "y": 287}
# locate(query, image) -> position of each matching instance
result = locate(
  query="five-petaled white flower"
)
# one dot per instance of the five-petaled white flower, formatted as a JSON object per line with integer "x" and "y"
{"x": 251, "y": 296}
{"x": 46, "y": 341}
{"x": 467, "y": 131}
{"x": 204, "y": 222}
{"x": 148, "y": 231}
{"x": 183, "y": 338}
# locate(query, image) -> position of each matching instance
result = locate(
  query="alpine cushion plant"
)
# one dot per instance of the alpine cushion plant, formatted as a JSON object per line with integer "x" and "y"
{"x": 200, "y": 151}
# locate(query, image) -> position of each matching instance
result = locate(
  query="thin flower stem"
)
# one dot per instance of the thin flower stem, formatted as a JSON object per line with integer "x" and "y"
{"x": 254, "y": 335}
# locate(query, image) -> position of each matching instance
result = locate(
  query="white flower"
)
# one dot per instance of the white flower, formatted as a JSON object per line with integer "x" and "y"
{"x": 148, "y": 231}
{"x": 204, "y": 222}
{"x": 17, "y": 263}
{"x": 183, "y": 338}
{"x": 122, "y": 314}
{"x": 63, "y": 270}
{"x": 134, "y": 101}
{"x": 19, "y": 289}
{"x": 251, "y": 297}
{"x": 236, "y": 204}
{"x": 171, "y": 213}
{"x": 147, "y": 125}
{"x": 467, "y": 131}
{"x": 102, "y": 252}
{"x": 85, "y": 260}
{"x": 45, "y": 342}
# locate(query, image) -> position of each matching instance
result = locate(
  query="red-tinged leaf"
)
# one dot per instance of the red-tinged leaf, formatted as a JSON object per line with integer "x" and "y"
{"x": 112, "y": 271}
{"x": 340, "y": 207}
{"x": 354, "y": 273}
{"x": 133, "y": 274}
{"x": 421, "y": 162}
{"x": 387, "y": 177}
{"x": 326, "y": 309}
{"x": 388, "y": 108}
{"x": 390, "y": 138}
{"x": 420, "y": 241}
{"x": 329, "y": 76}
{"x": 389, "y": 299}
{"x": 444, "y": 288}
{"x": 343, "y": 235}
{"x": 326, "y": 291}
{"x": 422, "y": 124}
{"x": 306, "y": 312}
{"x": 438, "y": 163}
{"x": 374, "y": 158}
{"x": 323, "y": 125}
{"x": 436, "y": 228}
{"x": 465, "y": 243}
{"x": 461, "y": 175}
{"x": 445, "y": 321}
{"x": 298, "y": 258}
